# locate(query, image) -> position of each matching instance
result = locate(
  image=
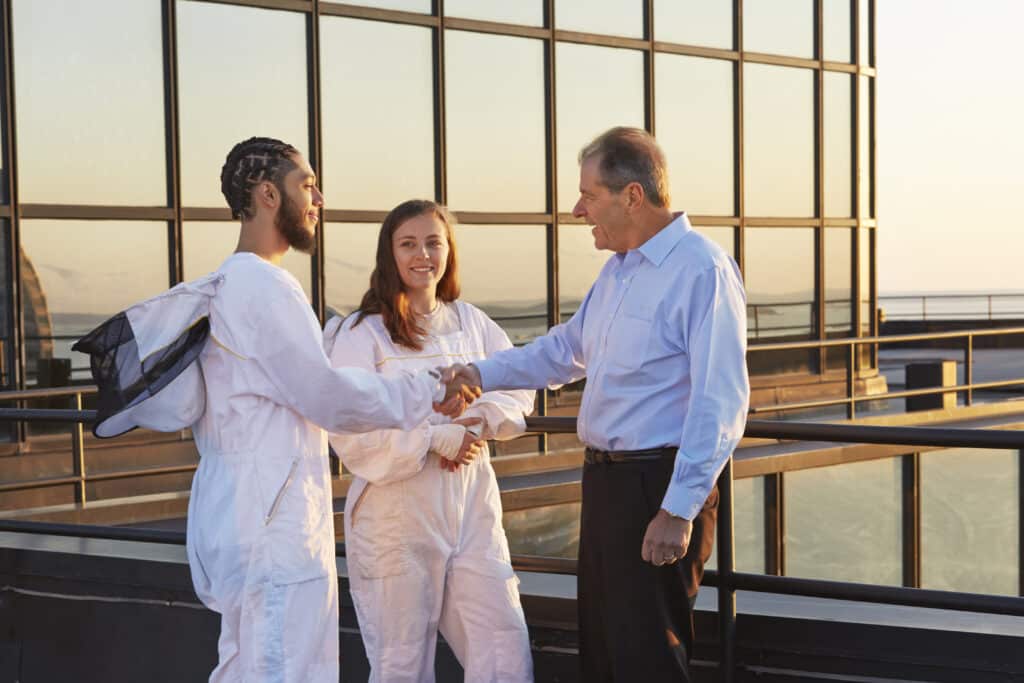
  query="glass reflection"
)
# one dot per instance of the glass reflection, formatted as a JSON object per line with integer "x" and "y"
{"x": 421, "y": 6}
{"x": 838, "y": 132}
{"x": 579, "y": 121}
{"x": 779, "y": 274}
{"x": 694, "y": 22}
{"x": 578, "y": 266}
{"x": 549, "y": 531}
{"x": 391, "y": 158}
{"x": 783, "y": 27}
{"x": 350, "y": 253}
{"x": 495, "y": 129}
{"x": 725, "y": 237}
{"x": 224, "y": 67}
{"x": 65, "y": 53}
{"x": 748, "y": 519}
{"x": 969, "y": 503}
{"x": 206, "y": 244}
{"x": 69, "y": 286}
{"x": 526, "y": 12}
{"x": 521, "y": 310}
{"x": 828, "y": 512}
{"x": 836, "y": 40}
{"x": 697, "y": 132}
{"x": 864, "y": 124}
{"x": 778, "y": 128}
{"x": 838, "y": 283}
{"x": 610, "y": 17}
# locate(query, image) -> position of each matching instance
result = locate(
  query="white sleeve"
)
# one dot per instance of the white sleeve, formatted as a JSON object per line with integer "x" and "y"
{"x": 503, "y": 412}
{"x": 290, "y": 353}
{"x": 385, "y": 455}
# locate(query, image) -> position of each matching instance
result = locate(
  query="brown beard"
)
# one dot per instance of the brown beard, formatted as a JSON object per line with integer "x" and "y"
{"x": 291, "y": 223}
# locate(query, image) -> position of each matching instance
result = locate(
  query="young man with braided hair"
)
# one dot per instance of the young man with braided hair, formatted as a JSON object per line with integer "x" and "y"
{"x": 260, "y": 522}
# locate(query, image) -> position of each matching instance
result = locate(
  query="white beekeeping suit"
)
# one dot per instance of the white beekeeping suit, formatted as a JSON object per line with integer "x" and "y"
{"x": 425, "y": 546}
{"x": 260, "y": 523}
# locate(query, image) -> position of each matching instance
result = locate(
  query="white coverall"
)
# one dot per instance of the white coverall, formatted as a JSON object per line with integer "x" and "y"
{"x": 260, "y": 522}
{"x": 425, "y": 547}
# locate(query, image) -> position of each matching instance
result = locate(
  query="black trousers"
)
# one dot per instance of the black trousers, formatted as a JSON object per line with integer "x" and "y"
{"x": 635, "y": 619}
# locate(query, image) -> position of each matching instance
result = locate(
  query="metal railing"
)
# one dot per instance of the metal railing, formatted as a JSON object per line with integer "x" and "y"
{"x": 726, "y": 579}
{"x": 962, "y": 337}
{"x": 984, "y": 311}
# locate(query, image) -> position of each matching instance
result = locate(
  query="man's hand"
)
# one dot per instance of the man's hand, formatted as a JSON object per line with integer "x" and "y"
{"x": 453, "y": 407}
{"x": 472, "y": 446}
{"x": 459, "y": 381}
{"x": 666, "y": 539}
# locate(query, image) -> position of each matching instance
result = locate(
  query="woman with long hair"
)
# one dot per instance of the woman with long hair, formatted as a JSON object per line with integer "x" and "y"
{"x": 423, "y": 537}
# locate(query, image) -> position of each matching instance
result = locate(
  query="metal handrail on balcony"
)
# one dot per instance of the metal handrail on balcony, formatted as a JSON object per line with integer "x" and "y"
{"x": 989, "y": 313}
{"x": 726, "y": 579}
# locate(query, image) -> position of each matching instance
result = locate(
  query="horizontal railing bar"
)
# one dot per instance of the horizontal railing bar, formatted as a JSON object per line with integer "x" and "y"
{"x": 886, "y": 339}
{"x": 779, "y": 585}
{"x": 939, "y": 297}
{"x": 48, "y": 392}
{"x": 41, "y": 483}
{"x": 46, "y": 415}
{"x": 886, "y": 595}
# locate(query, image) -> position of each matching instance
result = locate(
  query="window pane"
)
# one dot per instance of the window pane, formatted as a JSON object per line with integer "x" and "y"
{"x": 206, "y": 244}
{"x": 778, "y": 126}
{"x": 578, "y": 265}
{"x": 838, "y": 124}
{"x": 725, "y": 237}
{"x": 611, "y": 17}
{"x": 549, "y": 531}
{"x": 837, "y": 30}
{"x": 69, "y": 286}
{"x": 864, "y": 146}
{"x": 969, "y": 500}
{"x": 783, "y": 27}
{"x": 421, "y": 6}
{"x": 697, "y": 132}
{"x": 528, "y": 12}
{"x": 495, "y": 126}
{"x": 350, "y": 253}
{"x": 838, "y": 284}
{"x": 779, "y": 273}
{"x": 512, "y": 289}
{"x": 828, "y": 511}
{"x": 90, "y": 102}
{"x": 864, "y": 33}
{"x": 225, "y": 63}
{"x": 694, "y": 22}
{"x": 748, "y": 515}
{"x": 579, "y": 121}
{"x": 376, "y": 156}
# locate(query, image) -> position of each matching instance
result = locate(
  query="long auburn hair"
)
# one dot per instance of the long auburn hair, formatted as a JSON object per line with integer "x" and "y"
{"x": 387, "y": 295}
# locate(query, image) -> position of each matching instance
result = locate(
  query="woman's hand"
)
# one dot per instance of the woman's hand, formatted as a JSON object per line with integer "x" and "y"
{"x": 472, "y": 446}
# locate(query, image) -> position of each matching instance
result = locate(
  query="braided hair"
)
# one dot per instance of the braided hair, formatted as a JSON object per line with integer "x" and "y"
{"x": 251, "y": 162}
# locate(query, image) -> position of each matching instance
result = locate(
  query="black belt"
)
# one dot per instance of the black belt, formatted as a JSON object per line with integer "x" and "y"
{"x": 594, "y": 456}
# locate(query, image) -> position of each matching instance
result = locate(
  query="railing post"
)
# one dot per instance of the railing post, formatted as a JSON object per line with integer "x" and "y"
{"x": 924, "y": 308}
{"x": 726, "y": 568}
{"x": 78, "y": 452}
{"x": 851, "y": 381}
{"x": 911, "y": 505}
{"x": 969, "y": 368}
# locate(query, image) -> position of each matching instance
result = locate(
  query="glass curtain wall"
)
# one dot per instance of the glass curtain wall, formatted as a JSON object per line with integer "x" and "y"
{"x": 110, "y": 166}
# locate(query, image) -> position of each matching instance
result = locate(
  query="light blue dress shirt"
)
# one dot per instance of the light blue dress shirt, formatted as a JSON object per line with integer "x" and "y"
{"x": 661, "y": 339}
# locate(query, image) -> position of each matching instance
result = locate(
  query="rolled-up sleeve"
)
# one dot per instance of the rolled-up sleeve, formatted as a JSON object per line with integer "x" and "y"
{"x": 714, "y": 325}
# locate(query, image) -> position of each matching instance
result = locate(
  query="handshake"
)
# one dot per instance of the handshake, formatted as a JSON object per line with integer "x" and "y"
{"x": 462, "y": 387}
{"x": 457, "y": 443}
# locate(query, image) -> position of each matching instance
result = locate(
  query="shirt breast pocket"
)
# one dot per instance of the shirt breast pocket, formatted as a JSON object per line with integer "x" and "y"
{"x": 629, "y": 339}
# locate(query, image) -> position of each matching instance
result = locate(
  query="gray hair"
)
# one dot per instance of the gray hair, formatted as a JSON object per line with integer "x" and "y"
{"x": 630, "y": 155}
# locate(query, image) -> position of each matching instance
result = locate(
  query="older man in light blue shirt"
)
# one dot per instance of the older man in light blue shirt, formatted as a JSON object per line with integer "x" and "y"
{"x": 661, "y": 339}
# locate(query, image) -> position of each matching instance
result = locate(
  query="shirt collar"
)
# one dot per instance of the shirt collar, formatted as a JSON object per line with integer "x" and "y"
{"x": 664, "y": 241}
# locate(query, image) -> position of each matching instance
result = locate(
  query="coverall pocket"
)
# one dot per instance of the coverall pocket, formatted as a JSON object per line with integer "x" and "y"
{"x": 378, "y": 544}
